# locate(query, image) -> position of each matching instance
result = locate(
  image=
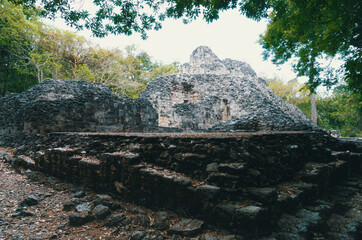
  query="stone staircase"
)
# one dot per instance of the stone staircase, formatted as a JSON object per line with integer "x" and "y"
{"x": 234, "y": 184}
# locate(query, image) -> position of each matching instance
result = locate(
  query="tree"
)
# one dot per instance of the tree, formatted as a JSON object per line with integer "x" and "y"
{"x": 104, "y": 64}
{"x": 59, "y": 54}
{"x": 138, "y": 16}
{"x": 341, "y": 111}
{"x": 17, "y": 33}
{"x": 313, "y": 107}
{"x": 315, "y": 31}
{"x": 32, "y": 52}
{"x": 138, "y": 70}
{"x": 293, "y": 93}
{"x": 311, "y": 31}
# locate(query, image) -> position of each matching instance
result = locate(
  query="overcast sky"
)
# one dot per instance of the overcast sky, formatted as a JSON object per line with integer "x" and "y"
{"x": 232, "y": 36}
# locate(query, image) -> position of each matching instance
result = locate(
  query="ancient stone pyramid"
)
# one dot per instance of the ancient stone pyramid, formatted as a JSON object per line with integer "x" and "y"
{"x": 224, "y": 95}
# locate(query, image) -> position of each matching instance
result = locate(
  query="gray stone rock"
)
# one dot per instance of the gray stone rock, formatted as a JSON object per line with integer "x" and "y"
{"x": 287, "y": 222}
{"x": 142, "y": 220}
{"x": 250, "y": 212}
{"x": 101, "y": 211}
{"x": 212, "y": 167}
{"x": 23, "y": 213}
{"x": 7, "y": 158}
{"x": 210, "y": 236}
{"x": 106, "y": 200}
{"x": 78, "y": 219}
{"x": 30, "y": 201}
{"x": 187, "y": 227}
{"x": 126, "y": 221}
{"x": 83, "y": 208}
{"x": 71, "y": 204}
{"x": 114, "y": 220}
{"x": 78, "y": 194}
{"x": 137, "y": 235}
{"x": 161, "y": 221}
{"x": 264, "y": 195}
{"x": 232, "y": 168}
{"x": 208, "y": 192}
{"x": 339, "y": 236}
{"x": 311, "y": 218}
{"x": 288, "y": 236}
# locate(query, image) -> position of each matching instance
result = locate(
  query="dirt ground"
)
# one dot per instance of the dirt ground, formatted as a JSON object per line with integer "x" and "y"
{"x": 47, "y": 219}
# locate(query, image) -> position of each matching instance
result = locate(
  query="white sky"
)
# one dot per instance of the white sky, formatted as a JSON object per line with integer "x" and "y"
{"x": 232, "y": 36}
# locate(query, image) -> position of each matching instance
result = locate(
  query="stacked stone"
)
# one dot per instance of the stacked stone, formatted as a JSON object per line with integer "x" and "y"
{"x": 73, "y": 106}
{"x": 239, "y": 182}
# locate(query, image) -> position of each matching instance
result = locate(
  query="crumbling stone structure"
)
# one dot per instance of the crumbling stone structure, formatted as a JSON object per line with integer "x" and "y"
{"x": 209, "y": 94}
{"x": 249, "y": 184}
{"x": 213, "y": 94}
{"x": 73, "y": 106}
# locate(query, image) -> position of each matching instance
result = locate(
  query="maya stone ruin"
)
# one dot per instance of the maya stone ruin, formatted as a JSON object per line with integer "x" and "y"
{"x": 208, "y": 94}
{"x": 211, "y": 143}
{"x": 214, "y": 94}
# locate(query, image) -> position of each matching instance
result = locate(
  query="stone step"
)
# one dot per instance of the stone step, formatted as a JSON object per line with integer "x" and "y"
{"x": 157, "y": 187}
{"x": 354, "y": 160}
{"x": 248, "y": 218}
{"x": 98, "y": 172}
{"x": 294, "y": 194}
{"x": 314, "y": 180}
{"x": 228, "y": 198}
{"x": 324, "y": 175}
{"x": 336, "y": 217}
{"x": 25, "y": 162}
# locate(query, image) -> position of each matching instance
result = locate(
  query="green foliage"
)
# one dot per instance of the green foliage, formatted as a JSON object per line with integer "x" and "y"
{"x": 82, "y": 72}
{"x": 292, "y": 92}
{"x": 33, "y": 52}
{"x": 129, "y": 16}
{"x": 315, "y": 31}
{"x": 58, "y": 54}
{"x": 138, "y": 70}
{"x": 17, "y": 32}
{"x": 341, "y": 111}
{"x": 311, "y": 31}
{"x": 127, "y": 73}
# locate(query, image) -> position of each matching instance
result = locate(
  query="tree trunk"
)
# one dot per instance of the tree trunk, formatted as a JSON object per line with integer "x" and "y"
{"x": 313, "y": 108}
{"x": 2, "y": 90}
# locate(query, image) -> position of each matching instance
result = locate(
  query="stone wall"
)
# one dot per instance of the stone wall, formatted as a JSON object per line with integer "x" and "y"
{"x": 73, "y": 106}
{"x": 221, "y": 95}
{"x": 241, "y": 182}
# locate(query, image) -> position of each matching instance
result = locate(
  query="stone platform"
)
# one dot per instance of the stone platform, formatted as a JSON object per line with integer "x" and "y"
{"x": 242, "y": 182}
